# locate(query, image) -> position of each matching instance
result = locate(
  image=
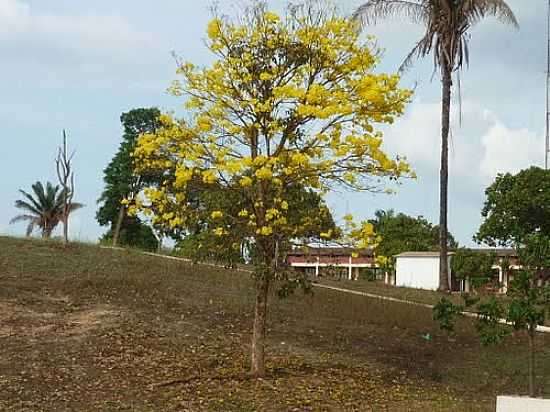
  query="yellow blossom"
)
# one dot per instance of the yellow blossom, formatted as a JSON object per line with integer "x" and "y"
{"x": 204, "y": 124}
{"x": 265, "y": 76}
{"x": 214, "y": 29}
{"x": 220, "y": 231}
{"x": 264, "y": 173}
{"x": 209, "y": 177}
{"x": 265, "y": 231}
{"x": 216, "y": 214}
{"x": 271, "y": 17}
{"x": 246, "y": 181}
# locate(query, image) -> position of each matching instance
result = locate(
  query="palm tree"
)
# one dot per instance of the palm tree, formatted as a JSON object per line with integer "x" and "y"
{"x": 446, "y": 24}
{"x": 43, "y": 209}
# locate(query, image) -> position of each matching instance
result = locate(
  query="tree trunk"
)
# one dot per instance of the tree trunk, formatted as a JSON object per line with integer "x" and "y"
{"x": 118, "y": 225}
{"x": 257, "y": 368}
{"x": 66, "y": 226}
{"x": 46, "y": 233}
{"x": 159, "y": 245}
{"x": 532, "y": 332}
{"x": 444, "y": 178}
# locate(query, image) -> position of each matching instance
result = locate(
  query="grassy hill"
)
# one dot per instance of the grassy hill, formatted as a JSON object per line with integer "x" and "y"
{"x": 90, "y": 329}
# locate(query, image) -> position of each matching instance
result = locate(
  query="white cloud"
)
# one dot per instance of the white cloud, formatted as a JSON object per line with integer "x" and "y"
{"x": 415, "y": 136}
{"x": 11, "y": 12}
{"x": 510, "y": 150}
{"x": 481, "y": 146}
{"x": 484, "y": 144}
{"x": 36, "y": 35}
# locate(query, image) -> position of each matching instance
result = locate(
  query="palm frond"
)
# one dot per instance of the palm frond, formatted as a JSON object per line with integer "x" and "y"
{"x": 37, "y": 206}
{"x": 33, "y": 222}
{"x": 52, "y": 194}
{"x": 21, "y": 204}
{"x": 23, "y": 218}
{"x": 75, "y": 206}
{"x": 416, "y": 53}
{"x": 375, "y": 10}
{"x": 45, "y": 196}
{"x": 40, "y": 193}
{"x": 30, "y": 228}
{"x": 476, "y": 10}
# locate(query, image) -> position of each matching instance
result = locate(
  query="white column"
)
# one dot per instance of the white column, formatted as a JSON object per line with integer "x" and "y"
{"x": 350, "y": 271}
{"x": 317, "y": 267}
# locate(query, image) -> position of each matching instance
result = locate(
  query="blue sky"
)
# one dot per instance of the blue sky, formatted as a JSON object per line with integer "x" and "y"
{"x": 79, "y": 65}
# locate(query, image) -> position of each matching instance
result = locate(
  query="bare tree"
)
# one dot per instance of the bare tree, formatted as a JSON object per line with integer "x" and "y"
{"x": 65, "y": 175}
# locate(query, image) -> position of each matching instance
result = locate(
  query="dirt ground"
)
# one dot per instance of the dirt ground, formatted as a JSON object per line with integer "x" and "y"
{"x": 88, "y": 329}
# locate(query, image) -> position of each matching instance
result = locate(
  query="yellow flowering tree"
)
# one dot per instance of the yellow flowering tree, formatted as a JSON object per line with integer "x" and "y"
{"x": 289, "y": 101}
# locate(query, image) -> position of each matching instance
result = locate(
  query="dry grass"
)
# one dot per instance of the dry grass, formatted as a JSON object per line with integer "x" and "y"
{"x": 87, "y": 329}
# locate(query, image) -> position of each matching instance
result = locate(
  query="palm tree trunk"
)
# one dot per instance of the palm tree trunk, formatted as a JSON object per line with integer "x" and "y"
{"x": 47, "y": 232}
{"x": 118, "y": 225}
{"x": 257, "y": 368}
{"x": 444, "y": 177}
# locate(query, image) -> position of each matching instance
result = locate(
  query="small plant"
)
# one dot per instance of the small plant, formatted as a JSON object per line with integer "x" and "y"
{"x": 445, "y": 313}
{"x": 489, "y": 326}
{"x": 525, "y": 309}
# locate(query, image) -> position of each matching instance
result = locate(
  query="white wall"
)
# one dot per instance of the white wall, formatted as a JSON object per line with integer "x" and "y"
{"x": 515, "y": 404}
{"x": 417, "y": 272}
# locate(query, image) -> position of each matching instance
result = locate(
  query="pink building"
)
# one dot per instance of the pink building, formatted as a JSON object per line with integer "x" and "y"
{"x": 335, "y": 260}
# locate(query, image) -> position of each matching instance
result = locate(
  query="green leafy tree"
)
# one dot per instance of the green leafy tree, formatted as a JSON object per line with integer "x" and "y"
{"x": 447, "y": 24}
{"x": 123, "y": 182}
{"x": 473, "y": 265}
{"x": 133, "y": 233}
{"x": 44, "y": 208}
{"x": 310, "y": 214}
{"x": 515, "y": 207}
{"x": 198, "y": 241}
{"x": 403, "y": 233}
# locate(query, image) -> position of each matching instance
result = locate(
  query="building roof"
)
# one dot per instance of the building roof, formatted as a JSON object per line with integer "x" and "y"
{"x": 499, "y": 252}
{"x": 421, "y": 254}
{"x": 330, "y": 251}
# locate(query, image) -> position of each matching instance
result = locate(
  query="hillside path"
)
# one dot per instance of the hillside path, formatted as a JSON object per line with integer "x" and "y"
{"x": 541, "y": 329}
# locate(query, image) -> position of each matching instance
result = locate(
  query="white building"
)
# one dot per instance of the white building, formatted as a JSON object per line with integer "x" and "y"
{"x": 419, "y": 270}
